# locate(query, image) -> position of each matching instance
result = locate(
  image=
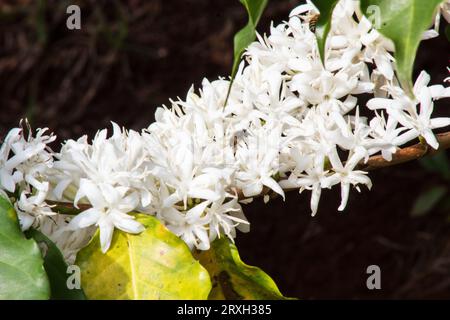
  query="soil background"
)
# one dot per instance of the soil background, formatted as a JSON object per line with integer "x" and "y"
{"x": 132, "y": 56}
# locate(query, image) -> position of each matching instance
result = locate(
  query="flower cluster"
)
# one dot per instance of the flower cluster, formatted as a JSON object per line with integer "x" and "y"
{"x": 289, "y": 121}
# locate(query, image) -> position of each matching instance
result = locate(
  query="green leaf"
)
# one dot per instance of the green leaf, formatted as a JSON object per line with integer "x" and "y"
{"x": 56, "y": 269}
{"x": 437, "y": 163}
{"x": 22, "y": 275}
{"x": 404, "y": 22}
{"x": 232, "y": 279}
{"x": 246, "y": 35}
{"x": 154, "y": 264}
{"x": 323, "y": 25}
{"x": 428, "y": 200}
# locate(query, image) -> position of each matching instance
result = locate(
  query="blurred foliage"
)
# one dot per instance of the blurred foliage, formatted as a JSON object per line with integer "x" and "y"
{"x": 436, "y": 196}
{"x": 438, "y": 164}
{"x": 428, "y": 200}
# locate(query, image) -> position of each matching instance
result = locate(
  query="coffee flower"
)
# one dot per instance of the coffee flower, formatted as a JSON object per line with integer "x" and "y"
{"x": 110, "y": 208}
{"x": 288, "y": 122}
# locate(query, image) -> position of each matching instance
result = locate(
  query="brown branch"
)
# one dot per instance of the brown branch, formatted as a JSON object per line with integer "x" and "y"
{"x": 403, "y": 155}
{"x": 407, "y": 154}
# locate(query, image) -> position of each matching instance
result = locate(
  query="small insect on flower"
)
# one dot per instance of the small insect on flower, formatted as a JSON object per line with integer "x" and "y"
{"x": 313, "y": 18}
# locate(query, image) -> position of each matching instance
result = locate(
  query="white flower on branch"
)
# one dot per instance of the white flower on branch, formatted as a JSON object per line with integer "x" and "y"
{"x": 415, "y": 114}
{"x": 24, "y": 158}
{"x": 290, "y": 122}
{"x": 346, "y": 175}
{"x": 110, "y": 208}
{"x": 25, "y": 161}
{"x": 190, "y": 225}
{"x": 8, "y": 180}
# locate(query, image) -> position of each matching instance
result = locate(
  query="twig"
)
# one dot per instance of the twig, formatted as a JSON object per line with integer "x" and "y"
{"x": 407, "y": 154}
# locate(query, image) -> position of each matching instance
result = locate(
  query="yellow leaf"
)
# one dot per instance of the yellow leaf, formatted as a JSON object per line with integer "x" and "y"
{"x": 155, "y": 264}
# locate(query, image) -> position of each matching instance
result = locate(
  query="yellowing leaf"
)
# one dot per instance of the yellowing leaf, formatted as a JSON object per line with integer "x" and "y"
{"x": 155, "y": 264}
{"x": 233, "y": 279}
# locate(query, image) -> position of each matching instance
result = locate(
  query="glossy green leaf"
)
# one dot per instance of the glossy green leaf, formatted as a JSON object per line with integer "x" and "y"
{"x": 428, "y": 200}
{"x": 22, "y": 275}
{"x": 233, "y": 279}
{"x": 323, "y": 24}
{"x": 246, "y": 35}
{"x": 404, "y": 22}
{"x": 154, "y": 264}
{"x": 56, "y": 269}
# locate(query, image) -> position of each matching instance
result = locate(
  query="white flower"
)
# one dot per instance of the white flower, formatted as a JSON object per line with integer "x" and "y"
{"x": 25, "y": 162}
{"x": 110, "y": 208}
{"x": 225, "y": 217}
{"x": 181, "y": 172}
{"x": 359, "y": 41}
{"x": 313, "y": 179}
{"x": 191, "y": 226}
{"x": 346, "y": 175}
{"x": 258, "y": 157}
{"x": 386, "y": 136}
{"x": 30, "y": 158}
{"x": 422, "y": 121}
{"x": 30, "y": 206}
{"x": 308, "y": 7}
{"x": 418, "y": 119}
{"x": 7, "y": 179}
{"x": 287, "y": 121}
{"x": 319, "y": 85}
{"x": 120, "y": 160}
{"x": 444, "y": 10}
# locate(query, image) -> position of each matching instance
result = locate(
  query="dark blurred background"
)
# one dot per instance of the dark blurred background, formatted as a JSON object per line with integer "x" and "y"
{"x": 131, "y": 56}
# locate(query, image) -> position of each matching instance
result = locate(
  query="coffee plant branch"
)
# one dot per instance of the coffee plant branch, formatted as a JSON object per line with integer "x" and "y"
{"x": 403, "y": 155}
